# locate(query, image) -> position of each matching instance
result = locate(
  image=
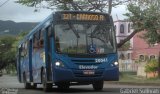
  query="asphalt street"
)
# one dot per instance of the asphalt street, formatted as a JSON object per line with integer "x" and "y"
{"x": 10, "y": 85}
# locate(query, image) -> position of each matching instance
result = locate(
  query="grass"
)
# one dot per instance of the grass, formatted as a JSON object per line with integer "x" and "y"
{"x": 13, "y": 74}
{"x": 127, "y": 77}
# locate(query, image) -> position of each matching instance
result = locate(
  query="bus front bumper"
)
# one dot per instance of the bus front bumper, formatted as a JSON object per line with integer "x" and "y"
{"x": 63, "y": 75}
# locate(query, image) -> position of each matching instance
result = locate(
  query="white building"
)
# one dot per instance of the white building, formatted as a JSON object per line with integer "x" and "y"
{"x": 123, "y": 29}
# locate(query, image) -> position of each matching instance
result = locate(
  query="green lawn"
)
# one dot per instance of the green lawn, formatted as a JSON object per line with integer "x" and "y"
{"x": 127, "y": 77}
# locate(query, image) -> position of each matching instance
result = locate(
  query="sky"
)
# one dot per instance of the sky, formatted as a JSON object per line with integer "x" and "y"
{"x": 20, "y": 13}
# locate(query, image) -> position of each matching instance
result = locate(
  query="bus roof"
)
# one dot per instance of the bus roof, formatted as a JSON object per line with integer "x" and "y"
{"x": 67, "y": 11}
{"x": 37, "y": 28}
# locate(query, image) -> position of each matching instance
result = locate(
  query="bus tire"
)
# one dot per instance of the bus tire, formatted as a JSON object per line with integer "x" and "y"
{"x": 63, "y": 85}
{"x": 98, "y": 85}
{"x": 26, "y": 84}
{"x": 46, "y": 86}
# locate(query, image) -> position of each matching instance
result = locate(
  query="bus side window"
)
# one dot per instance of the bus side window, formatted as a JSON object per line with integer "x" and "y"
{"x": 26, "y": 48}
{"x": 41, "y": 40}
{"x": 41, "y": 43}
{"x": 50, "y": 34}
{"x": 49, "y": 31}
{"x": 22, "y": 51}
{"x": 35, "y": 40}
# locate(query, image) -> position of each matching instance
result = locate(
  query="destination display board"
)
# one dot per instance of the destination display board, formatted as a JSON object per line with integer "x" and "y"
{"x": 82, "y": 16}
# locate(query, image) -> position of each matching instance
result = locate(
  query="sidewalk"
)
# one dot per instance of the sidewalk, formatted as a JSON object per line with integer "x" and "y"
{"x": 132, "y": 83}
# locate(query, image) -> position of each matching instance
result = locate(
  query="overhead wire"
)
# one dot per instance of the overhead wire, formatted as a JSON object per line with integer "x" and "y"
{"x": 4, "y": 3}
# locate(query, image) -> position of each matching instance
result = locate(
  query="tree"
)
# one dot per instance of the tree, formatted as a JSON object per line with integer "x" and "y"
{"x": 125, "y": 46}
{"x": 19, "y": 37}
{"x": 87, "y": 5}
{"x": 7, "y": 53}
{"x": 8, "y": 46}
{"x": 144, "y": 14}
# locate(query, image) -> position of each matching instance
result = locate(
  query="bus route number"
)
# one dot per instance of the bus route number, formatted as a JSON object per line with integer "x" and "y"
{"x": 89, "y": 17}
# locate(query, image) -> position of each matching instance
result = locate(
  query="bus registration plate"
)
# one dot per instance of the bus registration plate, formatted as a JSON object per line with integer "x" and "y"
{"x": 88, "y": 72}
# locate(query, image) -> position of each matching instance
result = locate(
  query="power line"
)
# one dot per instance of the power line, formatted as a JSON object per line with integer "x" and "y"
{"x": 4, "y": 3}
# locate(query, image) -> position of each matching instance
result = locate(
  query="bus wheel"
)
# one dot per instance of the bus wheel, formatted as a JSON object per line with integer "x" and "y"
{"x": 98, "y": 85}
{"x": 63, "y": 85}
{"x": 46, "y": 86}
{"x": 26, "y": 84}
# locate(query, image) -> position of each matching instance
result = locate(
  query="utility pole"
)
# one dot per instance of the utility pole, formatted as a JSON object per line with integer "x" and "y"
{"x": 109, "y": 6}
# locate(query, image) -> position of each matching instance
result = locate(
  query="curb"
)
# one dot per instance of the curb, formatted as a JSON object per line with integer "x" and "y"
{"x": 134, "y": 83}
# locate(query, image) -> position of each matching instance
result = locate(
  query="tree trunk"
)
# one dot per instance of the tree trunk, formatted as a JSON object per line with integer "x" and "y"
{"x": 110, "y": 6}
{"x": 126, "y": 39}
{"x": 75, "y": 6}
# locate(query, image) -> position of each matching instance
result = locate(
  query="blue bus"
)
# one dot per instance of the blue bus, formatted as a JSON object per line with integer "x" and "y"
{"x": 69, "y": 48}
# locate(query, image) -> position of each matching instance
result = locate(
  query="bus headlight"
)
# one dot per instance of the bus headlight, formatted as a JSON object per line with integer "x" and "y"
{"x": 59, "y": 64}
{"x": 116, "y": 63}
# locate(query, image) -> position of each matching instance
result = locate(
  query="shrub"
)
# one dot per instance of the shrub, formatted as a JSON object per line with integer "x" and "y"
{"x": 151, "y": 66}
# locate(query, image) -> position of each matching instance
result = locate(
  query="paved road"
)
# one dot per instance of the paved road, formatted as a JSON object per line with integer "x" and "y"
{"x": 10, "y": 83}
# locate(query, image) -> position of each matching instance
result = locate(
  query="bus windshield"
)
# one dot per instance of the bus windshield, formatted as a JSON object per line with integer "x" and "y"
{"x": 84, "y": 38}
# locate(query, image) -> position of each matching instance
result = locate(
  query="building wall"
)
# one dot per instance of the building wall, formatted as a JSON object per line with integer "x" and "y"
{"x": 137, "y": 44}
{"x": 140, "y": 47}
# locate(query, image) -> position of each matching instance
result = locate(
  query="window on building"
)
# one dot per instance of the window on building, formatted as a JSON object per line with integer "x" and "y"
{"x": 122, "y": 56}
{"x": 121, "y": 28}
{"x": 152, "y": 57}
{"x": 128, "y": 55}
{"x": 129, "y": 28}
{"x": 141, "y": 58}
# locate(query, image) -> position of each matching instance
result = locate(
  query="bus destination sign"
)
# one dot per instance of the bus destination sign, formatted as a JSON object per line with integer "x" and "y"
{"x": 86, "y": 17}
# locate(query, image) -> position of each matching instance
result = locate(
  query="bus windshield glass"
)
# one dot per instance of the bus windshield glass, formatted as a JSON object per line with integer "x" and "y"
{"x": 84, "y": 38}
